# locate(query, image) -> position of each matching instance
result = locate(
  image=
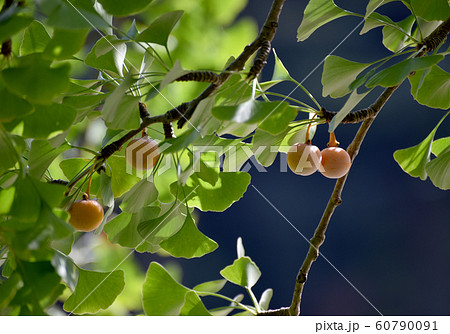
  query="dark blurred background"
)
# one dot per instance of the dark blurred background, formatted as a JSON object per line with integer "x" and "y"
{"x": 389, "y": 238}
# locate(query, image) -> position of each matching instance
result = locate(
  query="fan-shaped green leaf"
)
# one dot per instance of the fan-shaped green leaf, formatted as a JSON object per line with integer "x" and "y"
{"x": 141, "y": 195}
{"x": 189, "y": 242}
{"x": 431, "y": 88}
{"x": 438, "y": 170}
{"x": 159, "y": 30}
{"x": 414, "y": 159}
{"x": 122, "y": 180}
{"x": 35, "y": 39}
{"x": 193, "y": 305}
{"x": 318, "y": 13}
{"x": 211, "y": 286}
{"x": 41, "y": 156}
{"x": 36, "y": 80}
{"x": 95, "y": 291}
{"x": 121, "y": 111}
{"x": 65, "y": 43}
{"x": 243, "y": 272}
{"x": 279, "y": 71}
{"x": 395, "y": 39}
{"x": 436, "y": 10}
{"x": 162, "y": 295}
{"x": 440, "y": 145}
{"x": 13, "y": 106}
{"x": 48, "y": 121}
{"x": 272, "y": 117}
{"x": 395, "y": 74}
{"x": 375, "y": 4}
{"x": 229, "y": 188}
{"x": 375, "y": 20}
{"x": 338, "y": 73}
{"x": 108, "y": 54}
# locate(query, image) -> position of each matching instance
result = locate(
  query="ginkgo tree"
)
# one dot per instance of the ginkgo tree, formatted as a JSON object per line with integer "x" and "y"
{"x": 176, "y": 128}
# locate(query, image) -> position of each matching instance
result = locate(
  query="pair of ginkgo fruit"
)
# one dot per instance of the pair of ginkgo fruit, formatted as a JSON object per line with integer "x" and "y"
{"x": 305, "y": 159}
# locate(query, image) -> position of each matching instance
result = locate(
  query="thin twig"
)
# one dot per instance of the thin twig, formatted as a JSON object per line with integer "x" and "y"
{"x": 183, "y": 112}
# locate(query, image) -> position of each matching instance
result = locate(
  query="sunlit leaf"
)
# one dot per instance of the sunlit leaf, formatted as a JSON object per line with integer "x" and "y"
{"x": 211, "y": 286}
{"x": 270, "y": 116}
{"x": 123, "y": 229}
{"x": 106, "y": 191}
{"x": 338, "y": 73}
{"x": 6, "y": 199}
{"x": 395, "y": 39}
{"x": 141, "y": 195}
{"x": 121, "y": 111}
{"x": 375, "y": 4}
{"x": 41, "y": 156}
{"x": 414, "y": 159}
{"x": 35, "y": 39}
{"x": 431, "y": 10}
{"x": 175, "y": 72}
{"x": 440, "y": 145}
{"x": 122, "y": 181}
{"x": 108, "y": 54}
{"x": 189, "y": 242}
{"x": 318, "y": 13}
{"x": 73, "y": 14}
{"x": 27, "y": 202}
{"x": 431, "y": 88}
{"x": 95, "y": 291}
{"x": 279, "y": 71}
{"x": 48, "y": 121}
{"x": 65, "y": 43}
{"x": 375, "y": 20}
{"x": 395, "y": 74}
{"x": 159, "y": 30}
{"x": 66, "y": 269}
{"x": 162, "y": 295}
{"x": 265, "y": 299}
{"x": 438, "y": 170}
{"x": 13, "y": 106}
{"x": 228, "y": 189}
{"x": 52, "y": 194}
{"x": 157, "y": 229}
{"x": 193, "y": 305}
{"x": 179, "y": 143}
{"x": 36, "y": 80}
{"x": 243, "y": 272}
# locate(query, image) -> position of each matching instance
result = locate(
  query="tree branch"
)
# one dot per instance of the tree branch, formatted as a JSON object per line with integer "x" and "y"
{"x": 183, "y": 112}
{"x": 436, "y": 37}
{"x": 431, "y": 42}
{"x": 334, "y": 201}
